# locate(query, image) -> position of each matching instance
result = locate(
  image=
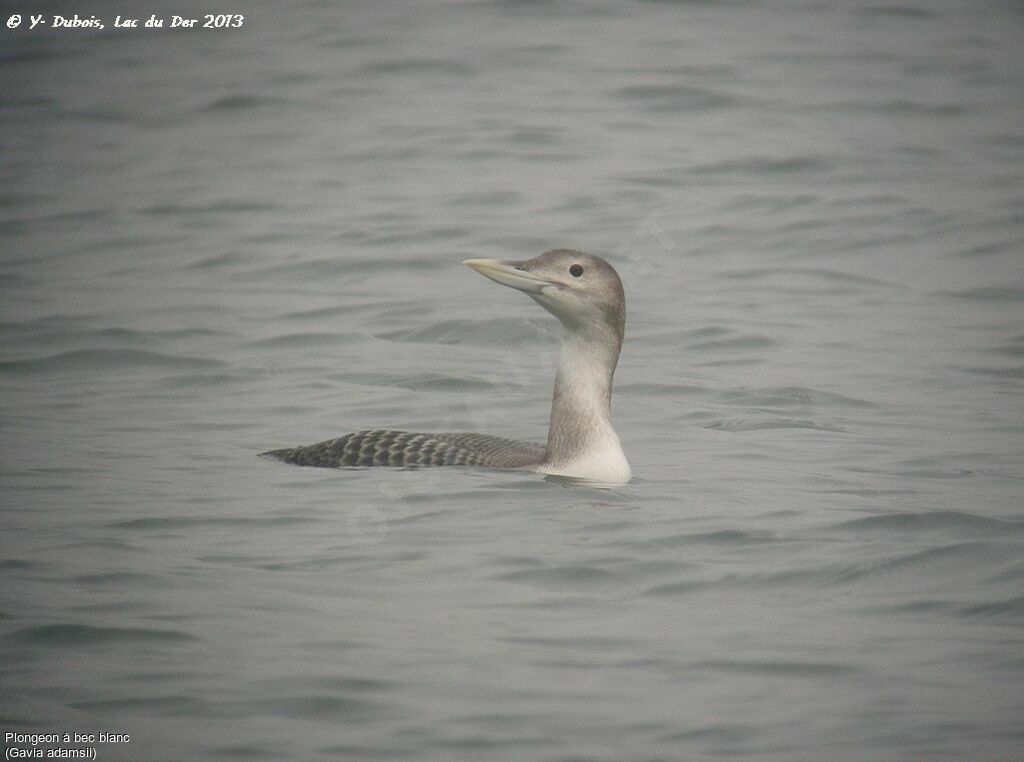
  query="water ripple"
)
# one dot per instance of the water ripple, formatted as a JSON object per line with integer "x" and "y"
{"x": 802, "y": 669}
{"x": 676, "y": 97}
{"x": 105, "y": 359}
{"x": 73, "y": 635}
{"x": 952, "y": 521}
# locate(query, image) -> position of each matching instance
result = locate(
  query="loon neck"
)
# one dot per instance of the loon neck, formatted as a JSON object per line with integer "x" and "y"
{"x": 581, "y": 440}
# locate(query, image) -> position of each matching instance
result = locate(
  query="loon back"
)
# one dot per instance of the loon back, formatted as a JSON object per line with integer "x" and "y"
{"x": 584, "y": 292}
{"x": 384, "y": 447}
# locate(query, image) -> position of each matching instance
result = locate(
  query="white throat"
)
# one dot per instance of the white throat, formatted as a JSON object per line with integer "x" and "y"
{"x": 581, "y": 441}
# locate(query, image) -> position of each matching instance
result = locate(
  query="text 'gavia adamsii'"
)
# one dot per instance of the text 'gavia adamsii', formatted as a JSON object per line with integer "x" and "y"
{"x": 585, "y": 293}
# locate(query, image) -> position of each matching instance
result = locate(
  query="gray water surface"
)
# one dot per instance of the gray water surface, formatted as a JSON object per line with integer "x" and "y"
{"x": 213, "y": 243}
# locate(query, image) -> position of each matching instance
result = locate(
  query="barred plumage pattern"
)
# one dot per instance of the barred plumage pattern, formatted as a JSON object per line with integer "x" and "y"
{"x": 384, "y": 447}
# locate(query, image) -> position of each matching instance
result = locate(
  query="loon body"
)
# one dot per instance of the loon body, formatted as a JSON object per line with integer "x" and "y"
{"x": 584, "y": 292}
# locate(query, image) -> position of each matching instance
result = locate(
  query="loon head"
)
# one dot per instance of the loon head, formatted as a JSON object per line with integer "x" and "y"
{"x": 585, "y": 293}
{"x": 581, "y": 290}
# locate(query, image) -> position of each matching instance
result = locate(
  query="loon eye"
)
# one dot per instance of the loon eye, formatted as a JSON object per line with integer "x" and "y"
{"x": 576, "y": 271}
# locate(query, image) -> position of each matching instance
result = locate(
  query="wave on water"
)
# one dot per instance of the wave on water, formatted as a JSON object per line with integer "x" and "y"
{"x": 74, "y": 635}
{"x": 951, "y": 521}
{"x": 105, "y": 359}
{"x": 486, "y": 332}
{"x": 314, "y": 270}
{"x": 774, "y": 423}
{"x": 760, "y": 165}
{"x": 676, "y": 97}
{"x": 305, "y": 340}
